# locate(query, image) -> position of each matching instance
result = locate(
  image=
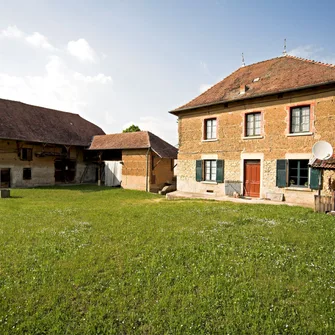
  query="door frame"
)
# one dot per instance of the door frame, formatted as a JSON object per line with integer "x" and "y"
{"x": 10, "y": 178}
{"x": 252, "y": 157}
{"x": 251, "y": 162}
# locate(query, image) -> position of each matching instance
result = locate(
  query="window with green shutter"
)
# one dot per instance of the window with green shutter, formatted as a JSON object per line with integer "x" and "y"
{"x": 281, "y": 177}
{"x": 298, "y": 172}
{"x": 314, "y": 175}
{"x": 210, "y": 170}
{"x": 198, "y": 170}
{"x": 220, "y": 171}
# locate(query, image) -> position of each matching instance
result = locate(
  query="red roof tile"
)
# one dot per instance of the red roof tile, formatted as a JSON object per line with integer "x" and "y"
{"x": 271, "y": 76}
{"x": 328, "y": 164}
{"x": 134, "y": 140}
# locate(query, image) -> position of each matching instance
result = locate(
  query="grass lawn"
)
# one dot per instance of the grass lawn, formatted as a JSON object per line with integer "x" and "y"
{"x": 89, "y": 260}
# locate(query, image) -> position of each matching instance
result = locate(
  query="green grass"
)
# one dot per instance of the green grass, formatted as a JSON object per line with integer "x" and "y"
{"x": 89, "y": 260}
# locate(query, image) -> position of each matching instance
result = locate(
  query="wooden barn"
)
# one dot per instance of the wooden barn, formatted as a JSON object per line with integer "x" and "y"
{"x": 41, "y": 146}
{"x": 138, "y": 160}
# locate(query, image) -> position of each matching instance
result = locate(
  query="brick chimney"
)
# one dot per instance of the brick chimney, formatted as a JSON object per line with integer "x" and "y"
{"x": 243, "y": 88}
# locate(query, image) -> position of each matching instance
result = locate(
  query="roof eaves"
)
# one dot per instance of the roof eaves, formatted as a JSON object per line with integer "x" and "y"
{"x": 177, "y": 111}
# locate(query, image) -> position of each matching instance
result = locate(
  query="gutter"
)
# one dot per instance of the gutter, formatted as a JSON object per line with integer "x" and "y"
{"x": 177, "y": 111}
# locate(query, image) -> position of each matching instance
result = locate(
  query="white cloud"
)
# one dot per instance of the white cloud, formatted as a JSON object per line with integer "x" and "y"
{"x": 82, "y": 50}
{"x": 204, "y": 87}
{"x": 11, "y": 32}
{"x": 39, "y": 41}
{"x": 99, "y": 78}
{"x": 57, "y": 88}
{"x": 305, "y": 51}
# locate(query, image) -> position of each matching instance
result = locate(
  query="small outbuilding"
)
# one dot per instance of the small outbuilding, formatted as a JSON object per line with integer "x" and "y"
{"x": 137, "y": 160}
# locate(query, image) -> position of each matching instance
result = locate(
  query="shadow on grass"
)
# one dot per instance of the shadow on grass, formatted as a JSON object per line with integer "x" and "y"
{"x": 86, "y": 188}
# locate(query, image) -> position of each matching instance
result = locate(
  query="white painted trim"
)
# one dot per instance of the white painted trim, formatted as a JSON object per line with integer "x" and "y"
{"x": 210, "y": 140}
{"x": 209, "y": 156}
{"x": 251, "y": 156}
{"x": 298, "y": 155}
{"x": 299, "y": 134}
{"x": 252, "y": 137}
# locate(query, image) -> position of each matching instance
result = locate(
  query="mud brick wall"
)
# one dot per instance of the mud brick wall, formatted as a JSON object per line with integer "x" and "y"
{"x": 275, "y": 141}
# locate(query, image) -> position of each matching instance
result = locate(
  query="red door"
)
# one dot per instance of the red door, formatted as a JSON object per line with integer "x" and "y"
{"x": 252, "y": 177}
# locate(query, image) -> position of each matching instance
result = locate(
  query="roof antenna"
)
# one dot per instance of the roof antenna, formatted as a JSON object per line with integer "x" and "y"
{"x": 284, "y": 52}
{"x": 243, "y": 63}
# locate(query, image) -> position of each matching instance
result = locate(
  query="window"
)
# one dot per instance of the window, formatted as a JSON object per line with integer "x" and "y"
{"x": 298, "y": 172}
{"x": 210, "y": 129}
{"x": 253, "y": 124}
{"x": 300, "y": 119}
{"x": 210, "y": 170}
{"x": 26, "y": 154}
{"x": 26, "y": 173}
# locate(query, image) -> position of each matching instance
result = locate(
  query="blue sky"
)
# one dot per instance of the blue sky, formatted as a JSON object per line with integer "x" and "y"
{"x": 123, "y": 62}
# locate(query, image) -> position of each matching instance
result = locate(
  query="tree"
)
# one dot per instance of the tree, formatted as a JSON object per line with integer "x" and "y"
{"x": 131, "y": 129}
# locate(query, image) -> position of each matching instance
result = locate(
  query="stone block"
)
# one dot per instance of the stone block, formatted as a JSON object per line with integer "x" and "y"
{"x": 4, "y": 193}
{"x": 275, "y": 196}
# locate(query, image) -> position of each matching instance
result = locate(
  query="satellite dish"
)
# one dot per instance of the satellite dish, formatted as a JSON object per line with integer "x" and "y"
{"x": 322, "y": 150}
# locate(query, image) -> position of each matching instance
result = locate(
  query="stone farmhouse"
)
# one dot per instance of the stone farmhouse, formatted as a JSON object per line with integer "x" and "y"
{"x": 138, "y": 160}
{"x": 40, "y": 146}
{"x": 253, "y": 132}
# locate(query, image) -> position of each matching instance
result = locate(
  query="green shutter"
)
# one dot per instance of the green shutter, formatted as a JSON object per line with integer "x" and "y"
{"x": 281, "y": 177}
{"x": 219, "y": 171}
{"x": 198, "y": 170}
{"x": 314, "y": 175}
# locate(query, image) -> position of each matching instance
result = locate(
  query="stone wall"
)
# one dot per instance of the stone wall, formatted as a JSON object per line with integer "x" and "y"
{"x": 134, "y": 170}
{"x": 275, "y": 141}
{"x": 42, "y": 168}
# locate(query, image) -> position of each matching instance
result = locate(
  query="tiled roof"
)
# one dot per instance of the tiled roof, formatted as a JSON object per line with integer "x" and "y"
{"x": 20, "y": 121}
{"x": 134, "y": 140}
{"x": 328, "y": 164}
{"x": 271, "y": 76}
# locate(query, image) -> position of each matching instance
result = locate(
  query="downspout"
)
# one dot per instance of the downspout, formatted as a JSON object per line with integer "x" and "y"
{"x": 147, "y": 172}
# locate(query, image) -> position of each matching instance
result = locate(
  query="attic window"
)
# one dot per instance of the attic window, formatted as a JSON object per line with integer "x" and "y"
{"x": 255, "y": 80}
{"x": 26, "y": 154}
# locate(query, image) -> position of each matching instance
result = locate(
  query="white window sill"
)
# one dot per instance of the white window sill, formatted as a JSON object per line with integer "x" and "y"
{"x": 300, "y": 134}
{"x": 210, "y": 140}
{"x": 209, "y": 182}
{"x": 252, "y": 137}
{"x": 299, "y": 189}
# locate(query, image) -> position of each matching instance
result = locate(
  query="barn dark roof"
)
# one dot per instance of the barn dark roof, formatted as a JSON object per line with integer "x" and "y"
{"x": 271, "y": 76}
{"x": 134, "y": 140}
{"x": 20, "y": 121}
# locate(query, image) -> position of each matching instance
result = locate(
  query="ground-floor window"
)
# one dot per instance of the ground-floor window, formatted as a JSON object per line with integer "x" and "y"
{"x": 298, "y": 172}
{"x": 210, "y": 170}
{"x": 26, "y": 173}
